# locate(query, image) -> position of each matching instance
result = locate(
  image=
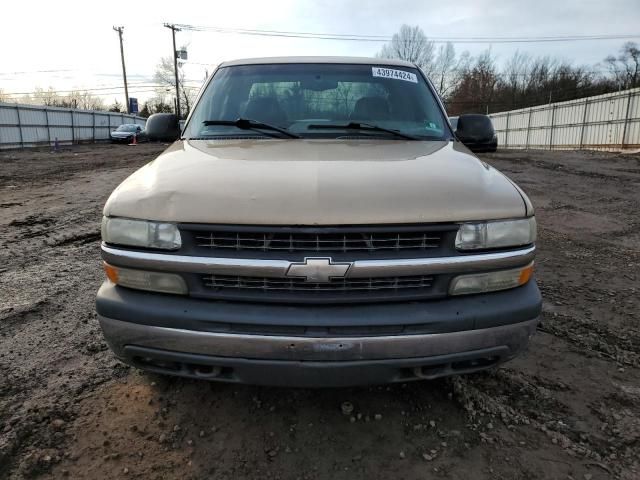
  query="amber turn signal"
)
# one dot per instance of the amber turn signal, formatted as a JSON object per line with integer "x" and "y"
{"x": 525, "y": 274}
{"x": 111, "y": 271}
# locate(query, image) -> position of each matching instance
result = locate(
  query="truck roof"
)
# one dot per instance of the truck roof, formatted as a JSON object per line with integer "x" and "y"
{"x": 357, "y": 60}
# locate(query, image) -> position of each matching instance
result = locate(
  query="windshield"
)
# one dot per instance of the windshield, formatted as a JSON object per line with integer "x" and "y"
{"x": 127, "y": 128}
{"x": 299, "y": 97}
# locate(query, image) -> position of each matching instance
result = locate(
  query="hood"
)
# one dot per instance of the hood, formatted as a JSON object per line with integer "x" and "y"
{"x": 316, "y": 182}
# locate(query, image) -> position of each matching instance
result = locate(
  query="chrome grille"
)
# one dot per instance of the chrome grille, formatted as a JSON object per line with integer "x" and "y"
{"x": 338, "y": 285}
{"x": 319, "y": 242}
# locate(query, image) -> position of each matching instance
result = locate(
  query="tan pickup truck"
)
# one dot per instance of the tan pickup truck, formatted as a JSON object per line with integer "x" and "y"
{"x": 317, "y": 223}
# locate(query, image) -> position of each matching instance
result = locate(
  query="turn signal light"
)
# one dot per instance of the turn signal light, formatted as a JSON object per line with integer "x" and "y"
{"x": 111, "y": 271}
{"x": 146, "y": 280}
{"x": 491, "y": 281}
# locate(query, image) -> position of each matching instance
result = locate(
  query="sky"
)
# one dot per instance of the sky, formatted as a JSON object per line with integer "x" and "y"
{"x": 68, "y": 44}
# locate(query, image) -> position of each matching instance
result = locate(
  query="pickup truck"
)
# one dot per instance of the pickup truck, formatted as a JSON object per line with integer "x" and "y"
{"x": 317, "y": 223}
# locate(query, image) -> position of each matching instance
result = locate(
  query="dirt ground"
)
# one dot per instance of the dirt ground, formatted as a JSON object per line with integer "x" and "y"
{"x": 567, "y": 409}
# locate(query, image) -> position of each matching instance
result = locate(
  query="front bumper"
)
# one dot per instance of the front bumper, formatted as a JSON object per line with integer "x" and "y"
{"x": 203, "y": 339}
{"x": 127, "y": 139}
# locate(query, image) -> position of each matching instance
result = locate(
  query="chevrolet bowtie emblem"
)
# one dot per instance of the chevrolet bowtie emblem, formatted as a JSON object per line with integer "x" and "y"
{"x": 318, "y": 270}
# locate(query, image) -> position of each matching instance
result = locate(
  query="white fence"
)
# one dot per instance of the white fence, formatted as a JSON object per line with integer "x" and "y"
{"x": 32, "y": 126}
{"x": 603, "y": 122}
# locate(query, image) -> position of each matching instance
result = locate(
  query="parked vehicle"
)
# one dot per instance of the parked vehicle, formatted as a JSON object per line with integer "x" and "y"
{"x": 476, "y": 132}
{"x": 299, "y": 235}
{"x": 124, "y": 133}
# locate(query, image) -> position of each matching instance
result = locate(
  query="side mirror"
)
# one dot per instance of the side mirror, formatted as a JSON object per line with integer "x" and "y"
{"x": 163, "y": 127}
{"x": 475, "y": 131}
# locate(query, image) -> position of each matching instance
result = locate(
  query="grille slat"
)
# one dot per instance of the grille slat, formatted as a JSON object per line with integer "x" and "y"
{"x": 319, "y": 242}
{"x": 227, "y": 282}
{"x": 347, "y": 249}
{"x": 316, "y": 241}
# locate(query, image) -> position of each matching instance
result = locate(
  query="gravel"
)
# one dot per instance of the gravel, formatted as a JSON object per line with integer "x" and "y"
{"x": 567, "y": 408}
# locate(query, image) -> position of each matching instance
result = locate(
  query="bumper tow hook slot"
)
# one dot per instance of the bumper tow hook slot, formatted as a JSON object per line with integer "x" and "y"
{"x": 207, "y": 371}
{"x": 427, "y": 373}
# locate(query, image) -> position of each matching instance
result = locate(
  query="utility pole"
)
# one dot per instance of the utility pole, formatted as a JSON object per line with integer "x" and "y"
{"x": 124, "y": 70}
{"x": 175, "y": 29}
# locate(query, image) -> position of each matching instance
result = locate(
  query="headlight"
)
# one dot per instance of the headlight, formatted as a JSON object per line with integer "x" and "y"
{"x": 491, "y": 281}
{"x": 145, "y": 280}
{"x": 140, "y": 233}
{"x": 496, "y": 234}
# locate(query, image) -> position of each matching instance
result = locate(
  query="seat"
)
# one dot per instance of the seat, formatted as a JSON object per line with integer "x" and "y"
{"x": 371, "y": 108}
{"x": 265, "y": 109}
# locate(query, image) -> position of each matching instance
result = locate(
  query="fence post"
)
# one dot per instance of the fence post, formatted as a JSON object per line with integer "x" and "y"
{"x": 73, "y": 129}
{"x": 626, "y": 120}
{"x": 20, "y": 127}
{"x": 506, "y": 133}
{"x": 528, "y": 128}
{"x": 553, "y": 118}
{"x": 93, "y": 126}
{"x": 46, "y": 115}
{"x": 584, "y": 122}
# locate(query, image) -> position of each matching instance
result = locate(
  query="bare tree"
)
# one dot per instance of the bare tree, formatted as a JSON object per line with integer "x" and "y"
{"x": 412, "y": 45}
{"x": 80, "y": 99}
{"x": 525, "y": 81}
{"x": 477, "y": 89}
{"x": 84, "y": 100}
{"x": 625, "y": 68}
{"x": 447, "y": 71}
{"x": 515, "y": 75}
{"x": 47, "y": 97}
{"x": 165, "y": 75}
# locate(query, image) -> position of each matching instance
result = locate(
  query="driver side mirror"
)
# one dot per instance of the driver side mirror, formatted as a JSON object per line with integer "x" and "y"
{"x": 163, "y": 127}
{"x": 474, "y": 128}
{"x": 476, "y": 132}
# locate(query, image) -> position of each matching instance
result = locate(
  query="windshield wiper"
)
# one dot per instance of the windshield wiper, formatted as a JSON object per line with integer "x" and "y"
{"x": 361, "y": 126}
{"x": 248, "y": 124}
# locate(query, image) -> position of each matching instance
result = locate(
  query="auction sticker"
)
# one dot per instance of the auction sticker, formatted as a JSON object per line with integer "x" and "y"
{"x": 395, "y": 74}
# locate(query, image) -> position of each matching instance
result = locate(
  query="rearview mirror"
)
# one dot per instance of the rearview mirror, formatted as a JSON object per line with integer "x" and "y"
{"x": 163, "y": 127}
{"x": 318, "y": 84}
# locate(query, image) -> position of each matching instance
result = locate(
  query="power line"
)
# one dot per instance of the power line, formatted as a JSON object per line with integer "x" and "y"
{"x": 108, "y": 94}
{"x": 525, "y": 39}
{"x": 189, "y": 62}
{"x": 386, "y": 38}
{"x": 278, "y": 33}
{"x": 37, "y": 71}
{"x": 82, "y": 90}
{"x": 114, "y": 87}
